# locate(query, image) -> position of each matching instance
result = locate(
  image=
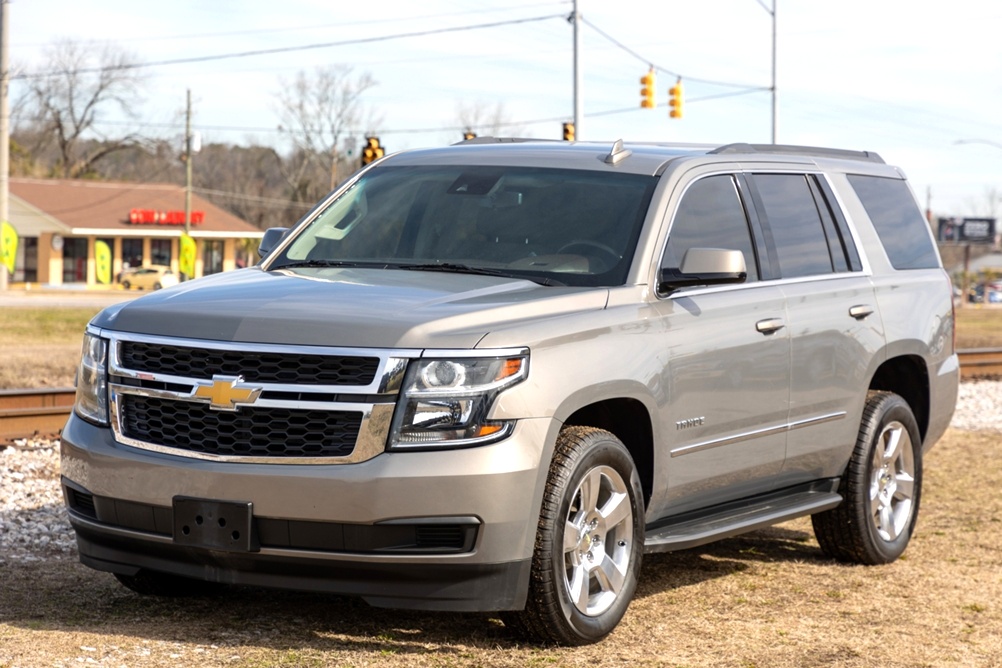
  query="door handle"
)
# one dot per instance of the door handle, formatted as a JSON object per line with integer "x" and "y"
{"x": 860, "y": 311}
{"x": 770, "y": 325}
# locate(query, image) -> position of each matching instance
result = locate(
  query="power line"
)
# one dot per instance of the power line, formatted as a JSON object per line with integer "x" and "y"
{"x": 613, "y": 112}
{"x": 274, "y": 201}
{"x": 343, "y": 24}
{"x": 659, "y": 68}
{"x": 447, "y": 128}
{"x": 286, "y": 49}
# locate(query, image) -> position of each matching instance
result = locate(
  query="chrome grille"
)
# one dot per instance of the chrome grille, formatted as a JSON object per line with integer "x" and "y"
{"x": 254, "y": 432}
{"x": 254, "y": 366}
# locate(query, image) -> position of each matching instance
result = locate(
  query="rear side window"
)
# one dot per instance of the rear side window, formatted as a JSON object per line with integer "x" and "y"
{"x": 797, "y": 231}
{"x": 898, "y": 221}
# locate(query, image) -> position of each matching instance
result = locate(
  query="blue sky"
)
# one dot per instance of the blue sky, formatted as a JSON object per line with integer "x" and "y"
{"x": 908, "y": 79}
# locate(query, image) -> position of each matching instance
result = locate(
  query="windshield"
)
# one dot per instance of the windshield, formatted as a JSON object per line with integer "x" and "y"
{"x": 556, "y": 226}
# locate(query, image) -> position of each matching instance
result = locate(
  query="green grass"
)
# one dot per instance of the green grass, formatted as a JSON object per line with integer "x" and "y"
{"x": 43, "y": 325}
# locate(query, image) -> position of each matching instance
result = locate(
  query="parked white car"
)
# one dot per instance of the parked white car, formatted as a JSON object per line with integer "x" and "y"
{"x": 153, "y": 277}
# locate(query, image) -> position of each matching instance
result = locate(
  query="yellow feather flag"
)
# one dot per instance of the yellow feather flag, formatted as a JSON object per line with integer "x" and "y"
{"x": 186, "y": 261}
{"x": 102, "y": 257}
{"x": 8, "y": 246}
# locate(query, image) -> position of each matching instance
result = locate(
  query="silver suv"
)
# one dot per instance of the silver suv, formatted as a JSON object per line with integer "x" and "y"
{"x": 492, "y": 376}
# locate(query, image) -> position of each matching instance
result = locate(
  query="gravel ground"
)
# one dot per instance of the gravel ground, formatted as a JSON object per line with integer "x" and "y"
{"x": 33, "y": 523}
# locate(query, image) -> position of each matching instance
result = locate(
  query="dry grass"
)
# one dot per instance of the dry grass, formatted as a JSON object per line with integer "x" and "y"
{"x": 765, "y": 599}
{"x": 42, "y": 344}
{"x": 979, "y": 327}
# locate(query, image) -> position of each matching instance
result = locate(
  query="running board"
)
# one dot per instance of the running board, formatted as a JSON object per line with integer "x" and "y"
{"x": 736, "y": 518}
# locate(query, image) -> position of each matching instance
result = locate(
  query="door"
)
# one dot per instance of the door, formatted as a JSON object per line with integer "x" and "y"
{"x": 728, "y": 363}
{"x": 834, "y": 326}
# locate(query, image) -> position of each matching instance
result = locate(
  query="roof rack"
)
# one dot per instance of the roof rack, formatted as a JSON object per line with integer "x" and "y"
{"x": 502, "y": 140}
{"x": 844, "y": 154}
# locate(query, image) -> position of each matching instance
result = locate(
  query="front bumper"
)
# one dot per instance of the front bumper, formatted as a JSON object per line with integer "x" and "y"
{"x": 336, "y": 528}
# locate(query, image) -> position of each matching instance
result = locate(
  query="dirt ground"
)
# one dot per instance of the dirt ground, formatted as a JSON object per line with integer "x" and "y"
{"x": 765, "y": 599}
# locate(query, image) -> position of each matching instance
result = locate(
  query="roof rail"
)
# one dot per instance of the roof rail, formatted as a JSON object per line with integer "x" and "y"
{"x": 501, "y": 140}
{"x": 844, "y": 154}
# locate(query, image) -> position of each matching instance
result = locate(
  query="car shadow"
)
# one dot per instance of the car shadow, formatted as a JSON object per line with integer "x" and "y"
{"x": 664, "y": 571}
{"x": 55, "y": 592}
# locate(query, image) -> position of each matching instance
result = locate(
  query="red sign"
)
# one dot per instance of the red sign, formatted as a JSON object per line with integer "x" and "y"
{"x": 154, "y": 217}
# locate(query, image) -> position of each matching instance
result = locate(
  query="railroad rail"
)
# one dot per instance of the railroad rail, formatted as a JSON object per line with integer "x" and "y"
{"x": 980, "y": 363}
{"x": 24, "y": 413}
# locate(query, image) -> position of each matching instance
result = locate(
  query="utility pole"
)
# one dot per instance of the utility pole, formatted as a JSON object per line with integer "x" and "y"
{"x": 187, "y": 167}
{"x": 4, "y": 123}
{"x": 184, "y": 243}
{"x": 775, "y": 121}
{"x": 578, "y": 103}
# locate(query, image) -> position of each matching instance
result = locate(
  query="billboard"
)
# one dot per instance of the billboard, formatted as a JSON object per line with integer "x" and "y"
{"x": 967, "y": 230}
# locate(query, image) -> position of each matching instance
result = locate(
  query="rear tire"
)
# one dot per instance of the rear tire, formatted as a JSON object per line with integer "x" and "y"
{"x": 153, "y": 583}
{"x": 881, "y": 487}
{"x": 589, "y": 542}
{"x": 126, "y": 285}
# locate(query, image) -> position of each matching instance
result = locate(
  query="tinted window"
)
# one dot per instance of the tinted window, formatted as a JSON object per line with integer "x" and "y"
{"x": 566, "y": 226}
{"x": 898, "y": 221}
{"x": 797, "y": 232}
{"x": 829, "y": 202}
{"x": 710, "y": 215}
{"x": 836, "y": 249}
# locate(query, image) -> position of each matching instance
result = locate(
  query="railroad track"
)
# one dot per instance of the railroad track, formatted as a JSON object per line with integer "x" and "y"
{"x": 980, "y": 363}
{"x": 24, "y": 413}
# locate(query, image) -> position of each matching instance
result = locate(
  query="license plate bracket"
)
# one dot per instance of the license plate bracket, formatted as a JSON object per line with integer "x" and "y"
{"x": 214, "y": 525}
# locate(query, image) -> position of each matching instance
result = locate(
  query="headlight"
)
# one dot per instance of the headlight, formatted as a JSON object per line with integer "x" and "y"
{"x": 445, "y": 402}
{"x": 92, "y": 381}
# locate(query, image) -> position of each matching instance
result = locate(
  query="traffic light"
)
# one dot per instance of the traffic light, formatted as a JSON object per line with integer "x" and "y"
{"x": 468, "y": 135}
{"x": 568, "y": 132}
{"x": 372, "y": 151}
{"x": 647, "y": 93}
{"x": 675, "y": 99}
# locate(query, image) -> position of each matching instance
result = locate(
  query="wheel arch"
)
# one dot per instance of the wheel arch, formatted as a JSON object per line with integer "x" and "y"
{"x": 630, "y": 421}
{"x": 908, "y": 377}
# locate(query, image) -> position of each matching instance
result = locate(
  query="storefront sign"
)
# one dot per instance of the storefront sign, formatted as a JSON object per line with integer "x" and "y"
{"x": 156, "y": 217}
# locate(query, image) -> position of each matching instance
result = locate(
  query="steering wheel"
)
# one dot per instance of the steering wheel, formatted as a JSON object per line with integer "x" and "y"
{"x": 608, "y": 251}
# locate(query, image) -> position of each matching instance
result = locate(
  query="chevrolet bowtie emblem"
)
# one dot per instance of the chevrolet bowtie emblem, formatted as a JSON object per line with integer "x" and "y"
{"x": 224, "y": 393}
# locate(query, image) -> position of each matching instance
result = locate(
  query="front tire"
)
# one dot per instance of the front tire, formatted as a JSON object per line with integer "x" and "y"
{"x": 881, "y": 487}
{"x": 589, "y": 542}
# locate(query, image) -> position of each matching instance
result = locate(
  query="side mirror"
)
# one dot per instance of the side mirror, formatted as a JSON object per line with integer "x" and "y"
{"x": 704, "y": 266}
{"x": 272, "y": 237}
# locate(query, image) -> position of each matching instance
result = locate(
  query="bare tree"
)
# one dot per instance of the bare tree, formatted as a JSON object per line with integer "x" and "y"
{"x": 62, "y": 108}
{"x": 317, "y": 113}
{"x": 482, "y": 119}
{"x": 988, "y": 205}
{"x": 248, "y": 182}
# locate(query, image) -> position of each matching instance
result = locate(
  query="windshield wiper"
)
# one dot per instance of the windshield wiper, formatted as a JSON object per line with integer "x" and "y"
{"x": 456, "y": 268}
{"x": 326, "y": 263}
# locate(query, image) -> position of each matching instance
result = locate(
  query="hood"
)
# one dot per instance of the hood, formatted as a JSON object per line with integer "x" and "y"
{"x": 348, "y": 307}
